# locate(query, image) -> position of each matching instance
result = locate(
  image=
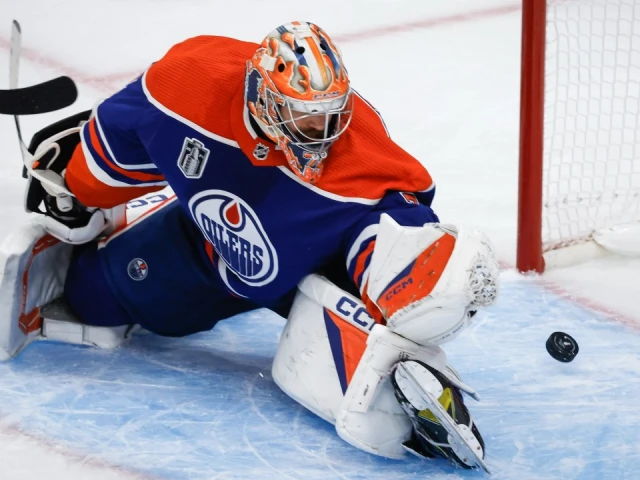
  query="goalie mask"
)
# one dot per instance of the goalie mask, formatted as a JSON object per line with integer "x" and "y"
{"x": 298, "y": 92}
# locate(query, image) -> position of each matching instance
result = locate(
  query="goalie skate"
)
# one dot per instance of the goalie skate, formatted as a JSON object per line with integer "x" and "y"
{"x": 438, "y": 431}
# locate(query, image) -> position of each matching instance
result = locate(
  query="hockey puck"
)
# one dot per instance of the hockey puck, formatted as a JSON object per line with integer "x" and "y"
{"x": 562, "y": 347}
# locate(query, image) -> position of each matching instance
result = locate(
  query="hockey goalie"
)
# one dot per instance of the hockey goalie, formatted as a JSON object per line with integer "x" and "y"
{"x": 286, "y": 193}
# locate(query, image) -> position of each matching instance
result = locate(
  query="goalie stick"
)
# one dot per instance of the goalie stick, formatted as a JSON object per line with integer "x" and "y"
{"x": 62, "y": 87}
{"x": 43, "y": 97}
{"x": 14, "y": 63}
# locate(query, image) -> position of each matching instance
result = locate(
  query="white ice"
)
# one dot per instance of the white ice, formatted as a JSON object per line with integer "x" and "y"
{"x": 447, "y": 83}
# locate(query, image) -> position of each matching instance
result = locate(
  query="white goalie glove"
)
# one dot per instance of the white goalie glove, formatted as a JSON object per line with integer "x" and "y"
{"x": 65, "y": 217}
{"x": 429, "y": 281}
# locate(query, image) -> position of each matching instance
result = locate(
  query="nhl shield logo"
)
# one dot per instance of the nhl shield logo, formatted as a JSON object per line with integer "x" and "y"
{"x": 193, "y": 158}
{"x": 261, "y": 152}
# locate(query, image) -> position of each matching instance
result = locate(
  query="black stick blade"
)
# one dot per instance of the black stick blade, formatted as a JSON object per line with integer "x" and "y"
{"x": 43, "y": 97}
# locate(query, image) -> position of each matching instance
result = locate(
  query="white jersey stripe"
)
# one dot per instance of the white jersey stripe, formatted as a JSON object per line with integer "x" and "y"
{"x": 384, "y": 125}
{"x": 96, "y": 171}
{"x": 143, "y": 166}
{"x": 364, "y": 236}
{"x": 104, "y": 177}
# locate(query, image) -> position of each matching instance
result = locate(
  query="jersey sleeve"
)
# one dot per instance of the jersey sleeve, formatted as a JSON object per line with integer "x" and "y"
{"x": 111, "y": 164}
{"x": 406, "y": 209}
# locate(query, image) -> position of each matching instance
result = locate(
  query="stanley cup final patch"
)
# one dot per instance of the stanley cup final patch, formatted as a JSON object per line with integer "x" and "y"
{"x": 193, "y": 158}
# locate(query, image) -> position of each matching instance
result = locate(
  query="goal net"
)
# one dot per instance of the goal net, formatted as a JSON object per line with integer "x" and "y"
{"x": 590, "y": 114}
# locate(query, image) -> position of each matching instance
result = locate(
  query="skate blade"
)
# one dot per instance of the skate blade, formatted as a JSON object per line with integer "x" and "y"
{"x": 417, "y": 385}
{"x": 414, "y": 380}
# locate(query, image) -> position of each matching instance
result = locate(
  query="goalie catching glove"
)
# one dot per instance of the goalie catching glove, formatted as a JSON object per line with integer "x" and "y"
{"x": 428, "y": 282}
{"x": 65, "y": 217}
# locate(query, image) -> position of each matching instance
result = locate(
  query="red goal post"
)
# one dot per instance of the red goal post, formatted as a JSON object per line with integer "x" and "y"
{"x": 579, "y": 180}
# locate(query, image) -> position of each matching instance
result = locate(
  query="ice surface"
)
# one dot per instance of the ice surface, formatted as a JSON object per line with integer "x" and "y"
{"x": 204, "y": 407}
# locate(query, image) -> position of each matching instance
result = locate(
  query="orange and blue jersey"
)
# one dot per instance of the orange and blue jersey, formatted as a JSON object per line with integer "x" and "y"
{"x": 184, "y": 123}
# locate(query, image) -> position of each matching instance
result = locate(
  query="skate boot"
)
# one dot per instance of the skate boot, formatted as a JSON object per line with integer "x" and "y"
{"x": 442, "y": 425}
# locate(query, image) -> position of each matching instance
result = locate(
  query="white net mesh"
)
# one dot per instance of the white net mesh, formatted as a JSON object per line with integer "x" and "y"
{"x": 592, "y": 124}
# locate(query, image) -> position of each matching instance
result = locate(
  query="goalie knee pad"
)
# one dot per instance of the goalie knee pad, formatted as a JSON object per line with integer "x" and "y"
{"x": 429, "y": 281}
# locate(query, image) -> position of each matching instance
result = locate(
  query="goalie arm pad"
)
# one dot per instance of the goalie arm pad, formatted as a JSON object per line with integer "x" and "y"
{"x": 426, "y": 282}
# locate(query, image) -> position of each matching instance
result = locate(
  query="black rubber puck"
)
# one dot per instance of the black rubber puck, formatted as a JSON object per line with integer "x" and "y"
{"x": 562, "y": 347}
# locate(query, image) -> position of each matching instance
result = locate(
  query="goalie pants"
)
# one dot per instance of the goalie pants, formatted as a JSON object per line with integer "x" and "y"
{"x": 155, "y": 273}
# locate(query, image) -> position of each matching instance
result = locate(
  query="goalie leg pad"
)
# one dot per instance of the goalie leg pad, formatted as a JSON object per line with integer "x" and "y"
{"x": 370, "y": 417}
{"x": 428, "y": 282}
{"x": 320, "y": 346}
{"x": 329, "y": 362}
{"x": 34, "y": 267}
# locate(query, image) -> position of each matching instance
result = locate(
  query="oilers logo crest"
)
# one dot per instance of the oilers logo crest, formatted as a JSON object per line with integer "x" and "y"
{"x": 137, "y": 269}
{"x": 237, "y": 235}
